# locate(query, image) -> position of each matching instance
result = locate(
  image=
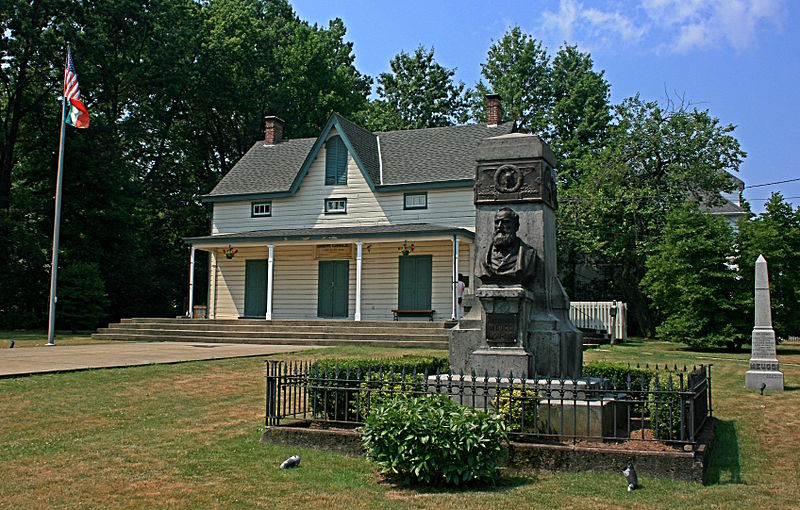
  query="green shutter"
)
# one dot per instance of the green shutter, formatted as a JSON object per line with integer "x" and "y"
{"x": 335, "y": 161}
{"x": 255, "y": 288}
{"x": 333, "y": 288}
{"x": 414, "y": 282}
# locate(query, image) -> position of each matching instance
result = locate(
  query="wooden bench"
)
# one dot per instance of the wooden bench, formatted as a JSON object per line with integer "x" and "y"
{"x": 420, "y": 312}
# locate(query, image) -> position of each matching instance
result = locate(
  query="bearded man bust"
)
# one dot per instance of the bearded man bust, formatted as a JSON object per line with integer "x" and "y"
{"x": 507, "y": 260}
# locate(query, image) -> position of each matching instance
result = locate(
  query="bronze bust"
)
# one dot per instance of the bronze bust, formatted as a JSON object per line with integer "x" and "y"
{"x": 507, "y": 260}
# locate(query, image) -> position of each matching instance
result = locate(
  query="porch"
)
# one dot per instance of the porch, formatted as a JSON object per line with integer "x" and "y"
{"x": 347, "y": 273}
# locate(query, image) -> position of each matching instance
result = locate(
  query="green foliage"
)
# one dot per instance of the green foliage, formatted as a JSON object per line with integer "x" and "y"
{"x": 621, "y": 372}
{"x": 82, "y": 300}
{"x": 775, "y": 233}
{"x": 177, "y": 91}
{"x": 626, "y": 377}
{"x": 664, "y": 408}
{"x": 519, "y": 409}
{"x": 418, "y": 93}
{"x": 337, "y": 386}
{"x": 692, "y": 284}
{"x": 517, "y": 68}
{"x": 653, "y": 161}
{"x": 432, "y": 439}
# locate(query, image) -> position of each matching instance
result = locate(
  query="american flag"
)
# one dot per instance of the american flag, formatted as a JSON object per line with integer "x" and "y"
{"x": 71, "y": 89}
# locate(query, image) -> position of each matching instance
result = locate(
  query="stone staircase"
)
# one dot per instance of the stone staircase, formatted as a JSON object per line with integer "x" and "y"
{"x": 426, "y": 334}
{"x": 594, "y": 337}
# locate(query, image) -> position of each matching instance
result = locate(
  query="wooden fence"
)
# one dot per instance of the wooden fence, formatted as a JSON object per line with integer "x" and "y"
{"x": 597, "y": 315}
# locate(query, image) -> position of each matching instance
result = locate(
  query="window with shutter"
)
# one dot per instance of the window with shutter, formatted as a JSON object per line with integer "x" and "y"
{"x": 335, "y": 161}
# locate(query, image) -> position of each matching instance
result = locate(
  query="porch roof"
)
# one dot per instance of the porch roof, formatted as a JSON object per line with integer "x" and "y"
{"x": 333, "y": 234}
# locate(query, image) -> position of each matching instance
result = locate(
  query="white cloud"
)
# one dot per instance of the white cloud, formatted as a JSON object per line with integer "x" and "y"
{"x": 671, "y": 26}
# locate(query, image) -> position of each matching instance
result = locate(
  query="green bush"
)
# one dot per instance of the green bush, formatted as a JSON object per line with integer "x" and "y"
{"x": 335, "y": 384}
{"x": 378, "y": 387}
{"x": 639, "y": 380}
{"x": 640, "y": 377}
{"x": 664, "y": 407}
{"x": 519, "y": 410}
{"x": 432, "y": 439}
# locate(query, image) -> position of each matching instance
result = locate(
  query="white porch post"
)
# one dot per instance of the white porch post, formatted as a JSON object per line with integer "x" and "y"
{"x": 270, "y": 265}
{"x": 358, "y": 281}
{"x": 455, "y": 278}
{"x": 191, "y": 283}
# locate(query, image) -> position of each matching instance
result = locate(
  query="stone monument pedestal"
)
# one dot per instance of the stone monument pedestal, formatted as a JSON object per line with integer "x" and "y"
{"x": 764, "y": 368}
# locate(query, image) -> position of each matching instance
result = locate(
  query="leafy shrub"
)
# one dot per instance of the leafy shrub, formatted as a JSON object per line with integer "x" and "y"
{"x": 519, "y": 410}
{"x": 639, "y": 380}
{"x": 378, "y": 387}
{"x": 432, "y": 439}
{"x": 335, "y": 384}
{"x": 664, "y": 406}
{"x": 639, "y": 377}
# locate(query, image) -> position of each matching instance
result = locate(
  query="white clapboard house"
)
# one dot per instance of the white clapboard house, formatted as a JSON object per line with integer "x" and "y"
{"x": 351, "y": 224}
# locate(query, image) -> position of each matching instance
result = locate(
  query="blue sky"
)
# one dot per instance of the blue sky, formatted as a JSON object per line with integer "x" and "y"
{"x": 738, "y": 58}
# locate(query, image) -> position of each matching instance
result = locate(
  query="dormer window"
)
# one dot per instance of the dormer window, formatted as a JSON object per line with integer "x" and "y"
{"x": 335, "y": 161}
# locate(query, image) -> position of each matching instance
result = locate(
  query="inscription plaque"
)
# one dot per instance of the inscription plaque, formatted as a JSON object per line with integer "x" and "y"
{"x": 501, "y": 328}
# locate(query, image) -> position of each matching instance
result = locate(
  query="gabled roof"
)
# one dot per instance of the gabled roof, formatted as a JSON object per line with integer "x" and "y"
{"x": 388, "y": 160}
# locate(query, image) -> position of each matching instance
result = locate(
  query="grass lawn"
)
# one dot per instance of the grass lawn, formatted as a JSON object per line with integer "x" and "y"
{"x": 38, "y": 338}
{"x": 186, "y": 436}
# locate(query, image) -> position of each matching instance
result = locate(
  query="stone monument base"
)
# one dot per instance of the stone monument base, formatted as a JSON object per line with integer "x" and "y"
{"x": 564, "y": 408}
{"x": 753, "y": 379}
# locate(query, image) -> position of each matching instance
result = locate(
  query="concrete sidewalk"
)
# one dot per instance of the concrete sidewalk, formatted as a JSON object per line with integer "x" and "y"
{"x": 39, "y": 360}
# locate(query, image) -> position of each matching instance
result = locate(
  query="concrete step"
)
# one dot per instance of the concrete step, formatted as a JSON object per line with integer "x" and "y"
{"x": 272, "y": 341}
{"x": 385, "y": 335}
{"x": 277, "y": 327}
{"x": 406, "y": 323}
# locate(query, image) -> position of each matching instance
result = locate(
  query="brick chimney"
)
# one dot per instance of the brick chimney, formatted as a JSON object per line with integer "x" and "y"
{"x": 494, "y": 111}
{"x": 273, "y": 133}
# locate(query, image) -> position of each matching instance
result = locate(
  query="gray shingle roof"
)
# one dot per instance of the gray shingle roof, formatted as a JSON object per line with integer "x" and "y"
{"x": 434, "y": 154}
{"x": 333, "y": 233}
{"x": 265, "y": 168}
{"x": 414, "y": 156}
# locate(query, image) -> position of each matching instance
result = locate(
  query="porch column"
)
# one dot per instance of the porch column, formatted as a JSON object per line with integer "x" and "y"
{"x": 191, "y": 282}
{"x": 455, "y": 278}
{"x": 358, "y": 281}
{"x": 270, "y": 264}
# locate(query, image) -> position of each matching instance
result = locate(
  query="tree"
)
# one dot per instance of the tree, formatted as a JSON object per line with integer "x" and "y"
{"x": 82, "y": 300}
{"x": 517, "y": 68}
{"x": 177, "y": 91}
{"x": 421, "y": 91}
{"x": 692, "y": 283}
{"x": 580, "y": 113}
{"x": 653, "y": 161}
{"x": 775, "y": 233}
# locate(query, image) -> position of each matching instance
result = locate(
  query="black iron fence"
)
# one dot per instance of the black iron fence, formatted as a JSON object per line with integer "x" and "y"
{"x": 671, "y": 404}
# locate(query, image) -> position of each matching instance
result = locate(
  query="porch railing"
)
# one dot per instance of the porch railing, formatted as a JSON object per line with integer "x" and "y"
{"x": 597, "y": 315}
{"x": 671, "y": 406}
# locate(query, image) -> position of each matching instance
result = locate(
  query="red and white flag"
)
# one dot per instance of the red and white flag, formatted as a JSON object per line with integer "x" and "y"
{"x": 77, "y": 115}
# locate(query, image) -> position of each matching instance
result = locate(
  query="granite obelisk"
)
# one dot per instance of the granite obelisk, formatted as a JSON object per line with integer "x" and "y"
{"x": 764, "y": 368}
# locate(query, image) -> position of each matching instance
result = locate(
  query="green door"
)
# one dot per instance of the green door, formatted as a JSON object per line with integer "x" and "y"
{"x": 414, "y": 282}
{"x": 255, "y": 288}
{"x": 333, "y": 288}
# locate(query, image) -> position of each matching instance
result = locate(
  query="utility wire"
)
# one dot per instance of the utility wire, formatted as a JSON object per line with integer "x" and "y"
{"x": 771, "y": 183}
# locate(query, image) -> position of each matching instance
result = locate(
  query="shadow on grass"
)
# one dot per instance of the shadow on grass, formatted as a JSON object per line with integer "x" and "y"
{"x": 725, "y": 468}
{"x": 503, "y": 484}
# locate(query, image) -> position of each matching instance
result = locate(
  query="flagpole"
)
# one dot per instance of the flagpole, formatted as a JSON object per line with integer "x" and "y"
{"x": 51, "y": 332}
